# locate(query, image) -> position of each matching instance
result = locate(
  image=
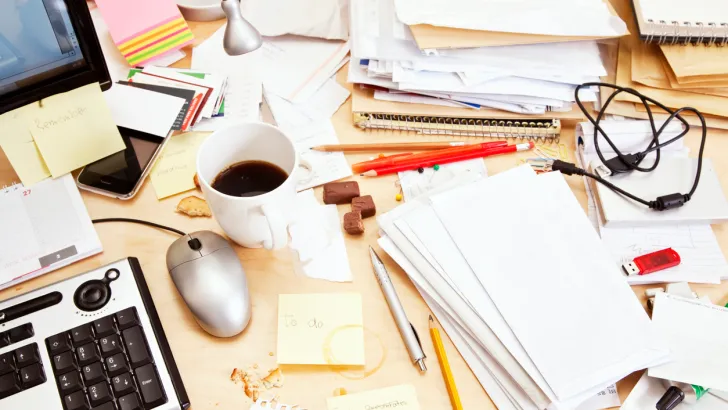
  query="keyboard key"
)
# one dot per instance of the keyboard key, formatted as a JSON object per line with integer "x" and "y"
{"x": 127, "y": 318}
{"x": 4, "y": 339}
{"x": 93, "y": 373}
{"x": 32, "y": 375}
{"x": 88, "y": 353}
{"x": 116, "y": 364}
{"x": 21, "y": 333}
{"x": 58, "y": 344}
{"x": 64, "y": 363}
{"x": 110, "y": 345}
{"x": 104, "y": 326}
{"x": 76, "y": 401}
{"x": 130, "y": 402}
{"x": 99, "y": 394}
{"x": 70, "y": 382}
{"x": 7, "y": 363}
{"x": 123, "y": 384}
{"x": 27, "y": 355}
{"x": 150, "y": 387}
{"x": 81, "y": 335}
{"x": 106, "y": 406}
{"x": 136, "y": 347}
{"x": 9, "y": 385}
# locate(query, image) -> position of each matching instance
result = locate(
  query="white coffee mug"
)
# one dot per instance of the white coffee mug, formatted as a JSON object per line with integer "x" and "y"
{"x": 257, "y": 221}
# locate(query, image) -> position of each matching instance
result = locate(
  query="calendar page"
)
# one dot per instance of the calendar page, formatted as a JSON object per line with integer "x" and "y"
{"x": 45, "y": 227}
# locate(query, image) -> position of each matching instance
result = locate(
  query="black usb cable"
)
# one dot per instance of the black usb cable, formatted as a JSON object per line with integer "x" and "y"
{"x": 630, "y": 162}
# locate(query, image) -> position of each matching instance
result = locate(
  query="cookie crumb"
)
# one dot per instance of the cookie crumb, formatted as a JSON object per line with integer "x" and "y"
{"x": 194, "y": 206}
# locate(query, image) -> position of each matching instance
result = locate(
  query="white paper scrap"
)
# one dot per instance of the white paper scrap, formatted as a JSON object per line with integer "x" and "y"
{"x": 316, "y": 236}
{"x": 697, "y": 352}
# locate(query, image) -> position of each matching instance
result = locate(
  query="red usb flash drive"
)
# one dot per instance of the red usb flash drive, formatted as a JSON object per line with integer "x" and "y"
{"x": 652, "y": 262}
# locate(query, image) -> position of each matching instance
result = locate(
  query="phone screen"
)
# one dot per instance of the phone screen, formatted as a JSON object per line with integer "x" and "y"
{"x": 119, "y": 173}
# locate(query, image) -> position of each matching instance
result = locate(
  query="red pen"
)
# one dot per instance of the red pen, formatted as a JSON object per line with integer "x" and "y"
{"x": 379, "y": 162}
{"x": 394, "y": 160}
{"x": 408, "y": 166}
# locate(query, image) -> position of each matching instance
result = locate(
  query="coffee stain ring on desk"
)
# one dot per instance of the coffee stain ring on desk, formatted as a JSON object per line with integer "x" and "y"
{"x": 332, "y": 361}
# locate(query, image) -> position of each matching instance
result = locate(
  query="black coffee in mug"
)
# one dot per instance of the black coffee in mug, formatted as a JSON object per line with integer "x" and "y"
{"x": 249, "y": 178}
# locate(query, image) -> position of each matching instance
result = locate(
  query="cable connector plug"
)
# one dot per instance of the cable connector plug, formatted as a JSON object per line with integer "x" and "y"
{"x": 566, "y": 168}
{"x": 665, "y": 202}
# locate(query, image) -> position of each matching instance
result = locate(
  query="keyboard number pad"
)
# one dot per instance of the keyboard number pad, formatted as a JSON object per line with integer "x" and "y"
{"x": 103, "y": 364}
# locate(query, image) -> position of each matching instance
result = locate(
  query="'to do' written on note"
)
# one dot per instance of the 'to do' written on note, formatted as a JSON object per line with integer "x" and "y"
{"x": 321, "y": 329}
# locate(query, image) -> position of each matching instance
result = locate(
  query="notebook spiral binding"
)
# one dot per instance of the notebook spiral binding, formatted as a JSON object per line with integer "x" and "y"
{"x": 675, "y": 32}
{"x": 537, "y": 130}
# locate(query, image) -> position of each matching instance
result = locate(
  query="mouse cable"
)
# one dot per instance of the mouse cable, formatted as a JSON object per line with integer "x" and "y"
{"x": 625, "y": 163}
{"x": 138, "y": 221}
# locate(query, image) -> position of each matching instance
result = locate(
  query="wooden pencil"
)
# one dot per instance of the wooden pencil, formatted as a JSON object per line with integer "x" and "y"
{"x": 391, "y": 146}
{"x": 452, "y": 390}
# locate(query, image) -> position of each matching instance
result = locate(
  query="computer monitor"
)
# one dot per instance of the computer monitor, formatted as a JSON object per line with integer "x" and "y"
{"x": 47, "y": 47}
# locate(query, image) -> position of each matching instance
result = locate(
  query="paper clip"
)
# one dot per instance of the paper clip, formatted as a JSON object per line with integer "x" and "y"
{"x": 538, "y": 164}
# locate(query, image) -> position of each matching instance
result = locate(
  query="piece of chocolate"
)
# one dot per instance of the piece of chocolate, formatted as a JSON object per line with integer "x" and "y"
{"x": 353, "y": 224}
{"x": 340, "y": 192}
{"x": 365, "y": 205}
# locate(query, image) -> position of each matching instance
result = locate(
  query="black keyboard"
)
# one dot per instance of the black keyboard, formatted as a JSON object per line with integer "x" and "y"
{"x": 97, "y": 338}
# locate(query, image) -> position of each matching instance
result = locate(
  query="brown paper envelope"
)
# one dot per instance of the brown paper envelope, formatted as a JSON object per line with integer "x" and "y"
{"x": 648, "y": 69}
{"x": 700, "y": 60}
{"x": 707, "y": 104}
{"x": 428, "y": 36}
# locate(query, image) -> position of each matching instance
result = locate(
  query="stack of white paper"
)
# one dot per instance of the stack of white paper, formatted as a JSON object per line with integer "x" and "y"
{"x": 527, "y": 79}
{"x": 502, "y": 263}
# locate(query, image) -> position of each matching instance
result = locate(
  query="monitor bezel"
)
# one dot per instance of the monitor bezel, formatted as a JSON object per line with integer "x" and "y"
{"x": 95, "y": 70}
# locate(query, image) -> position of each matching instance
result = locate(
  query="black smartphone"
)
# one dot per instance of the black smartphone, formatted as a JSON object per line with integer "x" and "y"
{"x": 121, "y": 175}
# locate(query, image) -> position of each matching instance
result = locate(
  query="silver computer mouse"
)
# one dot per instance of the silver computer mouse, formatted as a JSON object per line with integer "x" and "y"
{"x": 212, "y": 282}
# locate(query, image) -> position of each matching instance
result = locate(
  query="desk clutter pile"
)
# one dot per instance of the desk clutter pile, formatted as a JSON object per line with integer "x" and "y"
{"x": 534, "y": 293}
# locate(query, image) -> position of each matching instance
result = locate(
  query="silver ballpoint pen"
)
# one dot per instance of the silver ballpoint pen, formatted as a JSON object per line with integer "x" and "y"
{"x": 408, "y": 332}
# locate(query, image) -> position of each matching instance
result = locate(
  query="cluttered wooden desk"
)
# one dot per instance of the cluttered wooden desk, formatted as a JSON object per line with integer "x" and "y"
{"x": 211, "y": 367}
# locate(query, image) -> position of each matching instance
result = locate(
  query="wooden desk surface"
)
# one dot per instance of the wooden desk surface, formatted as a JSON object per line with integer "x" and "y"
{"x": 206, "y": 362}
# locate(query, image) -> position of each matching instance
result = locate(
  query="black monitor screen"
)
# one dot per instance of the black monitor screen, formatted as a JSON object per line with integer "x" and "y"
{"x": 37, "y": 42}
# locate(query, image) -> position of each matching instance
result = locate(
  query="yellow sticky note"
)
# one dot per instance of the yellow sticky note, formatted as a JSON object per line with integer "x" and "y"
{"x": 19, "y": 147}
{"x": 175, "y": 169}
{"x": 324, "y": 328}
{"x": 73, "y": 129}
{"x": 402, "y": 397}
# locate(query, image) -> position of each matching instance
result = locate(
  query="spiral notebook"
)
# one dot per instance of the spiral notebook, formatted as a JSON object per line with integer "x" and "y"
{"x": 679, "y": 21}
{"x": 369, "y": 113}
{"x": 45, "y": 227}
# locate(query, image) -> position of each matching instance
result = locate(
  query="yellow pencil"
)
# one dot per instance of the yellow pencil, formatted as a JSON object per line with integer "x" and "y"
{"x": 452, "y": 390}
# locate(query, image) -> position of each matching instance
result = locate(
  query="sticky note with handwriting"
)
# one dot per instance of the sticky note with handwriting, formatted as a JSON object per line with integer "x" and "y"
{"x": 175, "y": 170}
{"x": 19, "y": 147}
{"x": 325, "y": 328}
{"x": 402, "y": 397}
{"x": 73, "y": 129}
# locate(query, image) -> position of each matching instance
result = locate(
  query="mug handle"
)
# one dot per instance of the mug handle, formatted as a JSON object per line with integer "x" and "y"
{"x": 277, "y": 226}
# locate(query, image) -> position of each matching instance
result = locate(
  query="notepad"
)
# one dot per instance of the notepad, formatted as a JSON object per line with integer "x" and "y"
{"x": 143, "y": 30}
{"x": 46, "y": 227}
{"x": 402, "y": 397}
{"x": 73, "y": 129}
{"x": 21, "y": 150}
{"x": 175, "y": 170}
{"x": 320, "y": 329}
